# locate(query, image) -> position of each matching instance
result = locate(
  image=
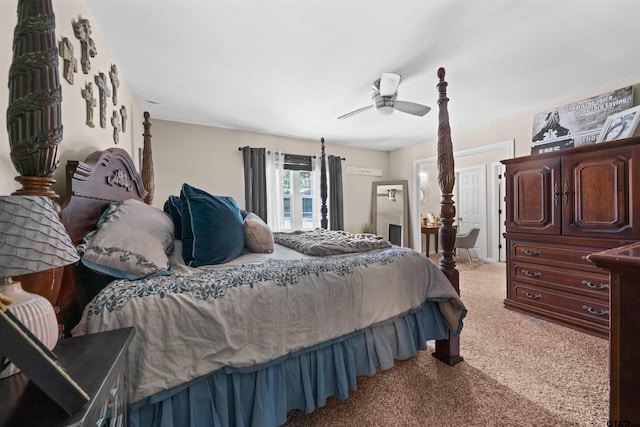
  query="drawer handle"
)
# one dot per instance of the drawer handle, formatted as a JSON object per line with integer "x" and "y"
{"x": 556, "y": 194}
{"x": 531, "y": 253}
{"x": 592, "y": 286}
{"x": 595, "y": 312}
{"x": 565, "y": 194}
{"x": 529, "y": 295}
{"x": 527, "y": 273}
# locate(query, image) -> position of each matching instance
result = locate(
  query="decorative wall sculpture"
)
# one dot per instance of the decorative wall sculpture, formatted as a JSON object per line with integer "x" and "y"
{"x": 82, "y": 31}
{"x": 123, "y": 114}
{"x": 34, "y": 118}
{"x": 104, "y": 92}
{"x": 115, "y": 83}
{"x": 87, "y": 94}
{"x": 115, "y": 122}
{"x": 70, "y": 62}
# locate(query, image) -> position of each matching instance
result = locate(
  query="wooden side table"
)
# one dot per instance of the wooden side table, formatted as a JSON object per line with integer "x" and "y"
{"x": 97, "y": 362}
{"x": 624, "y": 340}
{"x": 427, "y": 231}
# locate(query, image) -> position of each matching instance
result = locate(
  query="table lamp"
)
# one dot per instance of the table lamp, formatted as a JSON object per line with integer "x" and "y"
{"x": 32, "y": 239}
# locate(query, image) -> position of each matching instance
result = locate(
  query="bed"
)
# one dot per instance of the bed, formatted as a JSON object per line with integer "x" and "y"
{"x": 245, "y": 341}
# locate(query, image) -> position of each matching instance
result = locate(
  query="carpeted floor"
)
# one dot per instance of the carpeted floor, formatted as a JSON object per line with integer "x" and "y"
{"x": 518, "y": 371}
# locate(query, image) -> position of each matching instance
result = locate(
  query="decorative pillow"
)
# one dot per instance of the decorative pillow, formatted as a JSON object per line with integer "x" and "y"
{"x": 173, "y": 206}
{"x": 212, "y": 228}
{"x": 257, "y": 234}
{"x": 132, "y": 241}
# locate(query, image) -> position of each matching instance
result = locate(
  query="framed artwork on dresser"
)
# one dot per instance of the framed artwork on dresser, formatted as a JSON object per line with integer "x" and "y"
{"x": 620, "y": 125}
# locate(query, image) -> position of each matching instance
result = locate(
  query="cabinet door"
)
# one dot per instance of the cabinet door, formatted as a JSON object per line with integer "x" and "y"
{"x": 533, "y": 204}
{"x": 596, "y": 199}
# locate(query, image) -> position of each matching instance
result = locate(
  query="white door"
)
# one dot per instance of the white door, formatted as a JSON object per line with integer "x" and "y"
{"x": 471, "y": 205}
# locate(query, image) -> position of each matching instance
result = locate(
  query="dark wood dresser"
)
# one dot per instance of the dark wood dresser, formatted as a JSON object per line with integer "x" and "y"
{"x": 561, "y": 207}
{"x": 97, "y": 362}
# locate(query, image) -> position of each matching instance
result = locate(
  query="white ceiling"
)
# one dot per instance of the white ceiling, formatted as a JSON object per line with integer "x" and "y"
{"x": 290, "y": 68}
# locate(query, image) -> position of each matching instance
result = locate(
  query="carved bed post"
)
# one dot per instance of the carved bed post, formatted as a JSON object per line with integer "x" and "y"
{"x": 324, "y": 222}
{"x": 34, "y": 115}
{"x": 147, "y": 161}
{"x": 448, "y": 350}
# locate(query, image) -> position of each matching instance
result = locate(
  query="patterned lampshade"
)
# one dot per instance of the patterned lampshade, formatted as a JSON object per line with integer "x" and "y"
{"x": 32, "y": 239}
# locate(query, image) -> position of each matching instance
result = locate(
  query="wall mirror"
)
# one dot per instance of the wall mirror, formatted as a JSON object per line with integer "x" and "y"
{"x": 390, "y": 210}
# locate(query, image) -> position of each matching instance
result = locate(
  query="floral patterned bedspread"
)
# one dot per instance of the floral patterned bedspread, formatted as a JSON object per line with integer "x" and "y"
{"x": 190, "y": 325}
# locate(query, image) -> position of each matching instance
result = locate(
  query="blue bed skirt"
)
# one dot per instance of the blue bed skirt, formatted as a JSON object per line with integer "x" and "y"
{"x": 262, "y": 395}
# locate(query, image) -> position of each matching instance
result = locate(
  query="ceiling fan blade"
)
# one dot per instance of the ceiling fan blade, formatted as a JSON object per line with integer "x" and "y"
{"x": 412, "y": 108}
{"x": 389, "y": 84}
{"x": 359, "y": 110}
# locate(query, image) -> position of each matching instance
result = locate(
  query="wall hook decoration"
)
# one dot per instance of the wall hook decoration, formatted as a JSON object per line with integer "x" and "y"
{"x": 82, "y": 31}
{"x": 70, "y": 67}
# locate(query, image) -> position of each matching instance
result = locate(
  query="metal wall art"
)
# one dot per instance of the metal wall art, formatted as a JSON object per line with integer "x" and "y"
{"x": 70, "y": 63}
{"x": 82, "y": 31}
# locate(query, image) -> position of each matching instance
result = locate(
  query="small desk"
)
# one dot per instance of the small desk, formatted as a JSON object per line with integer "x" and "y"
{"x": 427, "y": 231}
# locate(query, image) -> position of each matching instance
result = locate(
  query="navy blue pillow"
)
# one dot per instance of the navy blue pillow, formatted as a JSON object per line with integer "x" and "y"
{"x": 173, "y": 206}
{"x": 212, "y": 228}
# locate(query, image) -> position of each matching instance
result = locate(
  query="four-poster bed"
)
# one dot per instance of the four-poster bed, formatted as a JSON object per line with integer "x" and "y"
{"x": 302, "y": 334}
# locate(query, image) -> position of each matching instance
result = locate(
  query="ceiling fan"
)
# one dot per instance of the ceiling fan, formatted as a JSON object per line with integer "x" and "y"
{"x": 385, "y": 98}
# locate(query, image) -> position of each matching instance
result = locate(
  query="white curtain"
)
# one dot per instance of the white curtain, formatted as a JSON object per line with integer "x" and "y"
{"x": 275, "y": 174}
{"x": 316, "y": 165}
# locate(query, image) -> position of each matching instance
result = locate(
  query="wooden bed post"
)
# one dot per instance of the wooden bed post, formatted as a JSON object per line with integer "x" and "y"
{"x": 448, "y": 351}
{"x": 324, "y": 222}
{"x": 147, "y": 161}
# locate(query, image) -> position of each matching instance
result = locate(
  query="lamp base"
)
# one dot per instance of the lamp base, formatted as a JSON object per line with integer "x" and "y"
{"x": 35, "y": 312}
{"x": 36, "y": 186}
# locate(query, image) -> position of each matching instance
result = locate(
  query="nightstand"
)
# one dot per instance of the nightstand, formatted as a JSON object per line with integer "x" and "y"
{"x": 97, "y": 362}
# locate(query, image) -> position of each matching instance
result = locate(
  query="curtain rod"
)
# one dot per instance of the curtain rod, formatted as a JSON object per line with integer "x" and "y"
{"x": 246, "y": 147}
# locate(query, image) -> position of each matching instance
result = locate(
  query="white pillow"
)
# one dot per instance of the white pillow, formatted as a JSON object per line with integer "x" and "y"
{"x": 257, "y": 234}
{"x": 132, "y": 241}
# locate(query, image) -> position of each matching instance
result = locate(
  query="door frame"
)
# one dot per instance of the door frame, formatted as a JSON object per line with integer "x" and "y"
{"x": 494, "y": 205}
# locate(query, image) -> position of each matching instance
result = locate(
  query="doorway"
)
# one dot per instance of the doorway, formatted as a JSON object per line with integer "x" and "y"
{"x": 470, "y": 195}
{"x": 486, "y": 155}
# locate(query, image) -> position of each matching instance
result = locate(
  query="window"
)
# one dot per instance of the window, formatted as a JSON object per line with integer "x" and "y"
{"x": 297, "y": 193}
{"x": 293, "y": 191}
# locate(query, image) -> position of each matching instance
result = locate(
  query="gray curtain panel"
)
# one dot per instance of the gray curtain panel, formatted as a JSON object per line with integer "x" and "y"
{"x": 336, "y": 214}
{"x": 255, "y": 181}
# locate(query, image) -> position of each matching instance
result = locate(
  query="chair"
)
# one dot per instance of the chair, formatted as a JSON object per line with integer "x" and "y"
{"x": 467, "y": 240}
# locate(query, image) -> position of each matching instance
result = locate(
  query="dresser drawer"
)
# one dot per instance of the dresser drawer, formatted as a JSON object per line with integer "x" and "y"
{"x": 586, "y": 283}
{"x": 553, "y": 255}
{"x": 591, "y": 309}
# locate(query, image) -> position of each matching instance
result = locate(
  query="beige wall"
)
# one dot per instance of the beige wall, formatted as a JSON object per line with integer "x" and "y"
{"x": 516, "y": 127}
{"x": 208, "y": 158}
{"x": 79, "y": 140}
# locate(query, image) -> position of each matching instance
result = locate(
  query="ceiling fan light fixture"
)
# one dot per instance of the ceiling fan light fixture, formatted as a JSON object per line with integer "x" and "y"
{"x": 385, "y": 110}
